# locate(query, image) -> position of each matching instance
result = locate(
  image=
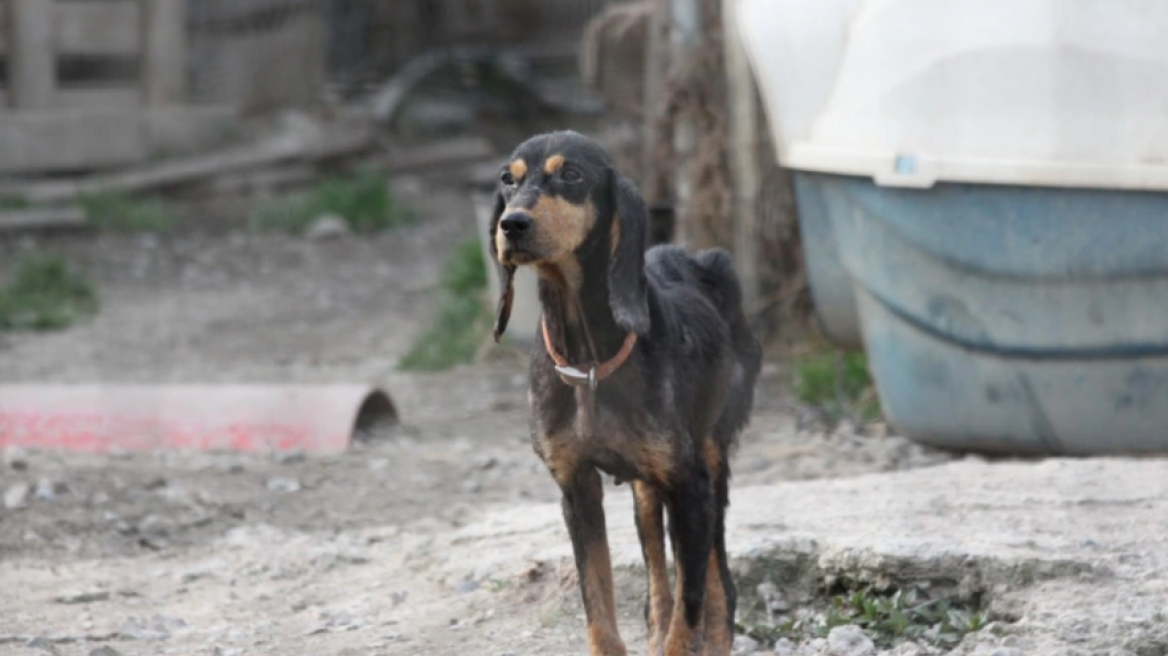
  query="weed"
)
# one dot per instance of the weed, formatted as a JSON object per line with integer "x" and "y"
{"x": 119, "y": 211}
{"x": 45, "y": 295}
{"x": 463, "y": 320}
{"x": 837, "y": 383}
{"x": 887, "y": 619}
{"x": 13, "y": 202}
{"x": 363, "y": 201}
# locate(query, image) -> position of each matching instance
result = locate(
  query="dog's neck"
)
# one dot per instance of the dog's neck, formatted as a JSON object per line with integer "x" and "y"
{"x": 576, "y": 307}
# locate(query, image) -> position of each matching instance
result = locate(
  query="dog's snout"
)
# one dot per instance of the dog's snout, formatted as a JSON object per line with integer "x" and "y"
{"x": 515, "y": 224}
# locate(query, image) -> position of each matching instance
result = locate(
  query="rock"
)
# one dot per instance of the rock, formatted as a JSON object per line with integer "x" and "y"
{"x": 190, "y": 576}
{"x": 906, "y": 649}
{"x": 784, "y": 647}
{"x": 327, "y": 227}
{"x": 849, "y": 640}
{"x": 745, "y": 645}
{"x": 292, "y": 457}
{"x": 775, "y": 602}
{"x": 157, "y": 628}
{"x": 16, "y": 495}
{"x": 83, "y": 597}
{"x": 105, "y": 651}
{"x": 16, "y": 459}
{"x": 43, "y": 645}
{"x": 283, "y": 485}
{"x": 47, "y": 489}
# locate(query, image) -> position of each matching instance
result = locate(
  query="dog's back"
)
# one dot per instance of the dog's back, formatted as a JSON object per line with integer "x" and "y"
{"x": 711, "y": 273}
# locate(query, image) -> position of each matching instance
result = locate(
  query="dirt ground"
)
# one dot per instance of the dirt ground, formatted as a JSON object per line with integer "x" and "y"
{"x": 219, "y": 554}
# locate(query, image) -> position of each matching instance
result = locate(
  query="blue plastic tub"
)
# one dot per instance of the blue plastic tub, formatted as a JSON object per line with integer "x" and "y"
{"x": 1000, "y": 318}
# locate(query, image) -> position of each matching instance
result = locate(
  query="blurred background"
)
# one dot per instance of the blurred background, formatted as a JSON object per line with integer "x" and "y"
{"x": 144, "y": 140}
{"x": 249, "y": 402}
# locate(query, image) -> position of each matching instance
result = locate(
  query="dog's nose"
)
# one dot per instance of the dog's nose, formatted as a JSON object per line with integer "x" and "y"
{"x": 515, "y": 225}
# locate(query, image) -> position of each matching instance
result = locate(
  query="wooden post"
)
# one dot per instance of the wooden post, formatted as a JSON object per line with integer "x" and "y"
{"x": 744, "y": 164}
{"x": 32, "y": 57}
{"x": 653, "y": 187}
{"x": 685, "y": 40}
{"x": 164, "y": 51}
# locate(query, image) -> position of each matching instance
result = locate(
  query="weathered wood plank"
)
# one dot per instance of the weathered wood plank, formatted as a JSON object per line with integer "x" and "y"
{"x": 94, "y": 138}
{"x": 73, "y": 139}
{"x": 97, "y": 98}
{"x": 97, "y": 28}
{"x": 164, "y": 51}
{"x": 42, "y": 218}
{"x": 89, "y": 98}
{"x": 191, "y": 169}
{"x": 32, "y": 61}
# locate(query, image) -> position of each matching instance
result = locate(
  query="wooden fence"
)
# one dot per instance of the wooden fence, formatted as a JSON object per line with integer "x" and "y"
{"x": 93, "y": 84}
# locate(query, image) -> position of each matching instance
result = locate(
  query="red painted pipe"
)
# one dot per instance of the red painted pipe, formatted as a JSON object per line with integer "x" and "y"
{"x": 100, "y": 418}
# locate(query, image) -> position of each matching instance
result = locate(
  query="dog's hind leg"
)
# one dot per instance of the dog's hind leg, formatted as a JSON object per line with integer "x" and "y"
{"x": 721, "y": 594}
{"x": 651, "y": 531}
{"x": 691, "y": 523}
{"x": 583, "y": 506}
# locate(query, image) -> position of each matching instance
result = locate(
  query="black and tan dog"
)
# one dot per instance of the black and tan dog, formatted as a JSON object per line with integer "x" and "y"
{"x": 645, "y": 369}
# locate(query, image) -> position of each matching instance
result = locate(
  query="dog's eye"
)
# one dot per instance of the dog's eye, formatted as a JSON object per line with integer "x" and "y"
{"x": 571, "y": 174}
{"x": 507, "y": 178}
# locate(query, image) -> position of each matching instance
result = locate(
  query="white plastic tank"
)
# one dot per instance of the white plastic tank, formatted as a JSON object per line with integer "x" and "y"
{"x": 909, "y": 92}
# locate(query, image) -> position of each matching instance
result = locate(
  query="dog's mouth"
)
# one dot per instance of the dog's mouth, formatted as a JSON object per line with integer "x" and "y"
{"x": 518, "y": 256}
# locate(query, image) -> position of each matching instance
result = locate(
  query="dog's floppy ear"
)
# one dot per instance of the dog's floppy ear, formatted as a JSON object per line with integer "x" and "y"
{"x": 627, "y": 295}
{"x": 506, "y": 272}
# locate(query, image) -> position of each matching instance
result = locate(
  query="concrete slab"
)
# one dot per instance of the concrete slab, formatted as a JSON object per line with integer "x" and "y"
{"x": 1072, "y": 554}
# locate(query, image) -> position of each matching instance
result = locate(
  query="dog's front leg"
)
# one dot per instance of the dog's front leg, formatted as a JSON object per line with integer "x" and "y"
{"x": 651, "y": 530}
{"x": 584, "y": 515}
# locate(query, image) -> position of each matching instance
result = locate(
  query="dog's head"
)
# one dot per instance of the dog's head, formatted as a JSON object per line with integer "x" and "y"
{"x": 558, "y": 196}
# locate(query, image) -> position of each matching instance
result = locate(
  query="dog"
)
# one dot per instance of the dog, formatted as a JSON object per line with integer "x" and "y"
{"x": 644, "y": 369}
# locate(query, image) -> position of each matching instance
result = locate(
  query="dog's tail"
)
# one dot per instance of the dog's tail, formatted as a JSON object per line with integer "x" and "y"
{"x": 720, "y": 283}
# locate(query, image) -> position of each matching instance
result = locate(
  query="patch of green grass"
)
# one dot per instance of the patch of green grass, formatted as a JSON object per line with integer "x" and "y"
{"x": 887, "y": 619}
{"x": 363, "y": 201}
{"x": 13, "y": 202}
{"x": 45, "y": 295}
{"x": 463, "y": 321}
{"x": 837, "y": 383}
{"x": 119, "y": 211}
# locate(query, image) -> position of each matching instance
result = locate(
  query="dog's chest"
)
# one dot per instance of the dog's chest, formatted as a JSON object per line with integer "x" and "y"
{"x": 626, "y": 447}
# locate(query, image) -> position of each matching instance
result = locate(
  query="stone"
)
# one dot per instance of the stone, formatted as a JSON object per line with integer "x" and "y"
{"x": 43, "y": 645}
{"x": 283, "y": 485}
{"x": 83, "y": 597}
{"x": 16, "y": 459}
{"x": 16, "y": 495}
{"x": 327, "y": 227}
{"x": 47, "y": 489}
{"x": 849, "y": 640}
{"x": 745, "y": 645}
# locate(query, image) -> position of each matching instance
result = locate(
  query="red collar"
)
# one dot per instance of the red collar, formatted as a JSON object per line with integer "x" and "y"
{"x": 590, "y": 374}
